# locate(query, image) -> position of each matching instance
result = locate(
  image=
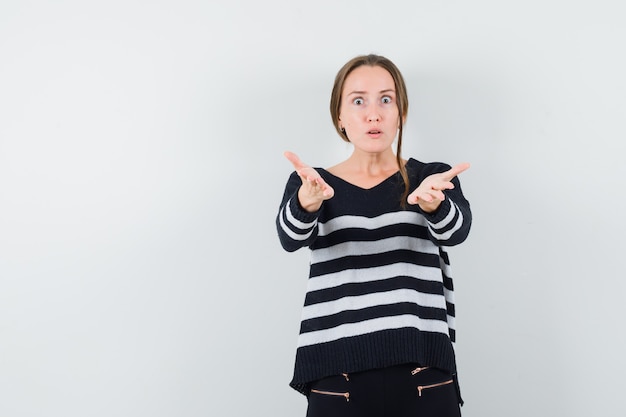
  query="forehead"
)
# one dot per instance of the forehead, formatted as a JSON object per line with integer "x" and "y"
{"x": 368, "y": 79}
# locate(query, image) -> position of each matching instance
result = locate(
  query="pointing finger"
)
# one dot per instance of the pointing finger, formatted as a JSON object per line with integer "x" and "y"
{"x": 293, "y": 158}
{"x": 302, "y": 169}
{"x": 456, "y": 170}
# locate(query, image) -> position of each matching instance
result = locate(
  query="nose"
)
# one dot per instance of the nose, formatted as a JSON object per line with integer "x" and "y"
{"x": 373, "y": 116}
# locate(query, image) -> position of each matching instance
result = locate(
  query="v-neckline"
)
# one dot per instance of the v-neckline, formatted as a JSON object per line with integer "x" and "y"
{"x": 395, "y": 174}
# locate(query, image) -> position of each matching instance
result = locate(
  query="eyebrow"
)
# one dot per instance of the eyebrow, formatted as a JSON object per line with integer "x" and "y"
{"x": 389, "y": 90}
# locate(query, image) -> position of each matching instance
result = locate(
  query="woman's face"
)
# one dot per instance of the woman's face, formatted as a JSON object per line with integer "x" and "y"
{"x": 369, "y": 112}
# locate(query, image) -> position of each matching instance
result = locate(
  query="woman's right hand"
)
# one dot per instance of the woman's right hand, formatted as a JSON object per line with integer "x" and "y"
{"x": 314, "y": 189}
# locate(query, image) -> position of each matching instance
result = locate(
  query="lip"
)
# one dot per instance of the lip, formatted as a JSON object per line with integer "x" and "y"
{"x": 374, "y": 133}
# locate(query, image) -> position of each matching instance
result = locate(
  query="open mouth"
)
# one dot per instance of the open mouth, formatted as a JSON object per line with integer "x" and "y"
{"x": 374, "y": 132}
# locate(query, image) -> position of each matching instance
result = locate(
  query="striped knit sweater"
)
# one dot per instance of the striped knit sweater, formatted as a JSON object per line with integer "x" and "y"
{"x": 380, "y": 291}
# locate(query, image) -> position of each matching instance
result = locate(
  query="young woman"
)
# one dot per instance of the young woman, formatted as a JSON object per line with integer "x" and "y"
{"x": 377, "y": 329}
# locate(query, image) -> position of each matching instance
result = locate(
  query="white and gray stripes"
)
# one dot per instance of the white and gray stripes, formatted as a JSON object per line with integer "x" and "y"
{"x": 389, "y": 244}
{"x": 367, "y": 294}
{"x": 380, "y": 290}
{"x": 371, "y": 223}
{"x": 379, "y": 273}
{"x": 445, "y": 228}
{"x": 372, "y": 300}
{"x": 370, "y": 326}
{"x": 304, "y": 230}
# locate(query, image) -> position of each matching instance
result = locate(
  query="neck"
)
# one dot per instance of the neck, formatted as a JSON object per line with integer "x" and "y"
{"x": 373, "y": 164}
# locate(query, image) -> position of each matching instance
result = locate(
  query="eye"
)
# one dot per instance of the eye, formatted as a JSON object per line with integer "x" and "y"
{"x": 386, "y": 99}
{"x": 358, "y": 101}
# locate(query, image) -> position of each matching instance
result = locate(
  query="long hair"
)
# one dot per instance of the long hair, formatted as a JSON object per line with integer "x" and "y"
{"x": 402, "y": 102}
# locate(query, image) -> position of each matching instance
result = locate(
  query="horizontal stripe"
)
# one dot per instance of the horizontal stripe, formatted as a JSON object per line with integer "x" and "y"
{"x": 448, "y": 234}
{"x": 294, "y": 221}
{"x": 380, "y": 286}
{"x": 292, "y": 235}
{"x": 451, "y": 322}
{"x": 365, "y": 235}
{"x": 370, "y": 300}
{"x": 335, "y": 279}
{"x": 370, "y": 326}
{"x": 451, "y": 309}
{"x": 355, "y": 316}
{"x": 446, "y": 220}
{"x": 358, "y": 262}
{"x": 376, "y": 247}
{"x": 297, "y": 224}
{"x": 445, "y": 266}
{"x": 361, "y": 222}
{"x": 445, "y": 259}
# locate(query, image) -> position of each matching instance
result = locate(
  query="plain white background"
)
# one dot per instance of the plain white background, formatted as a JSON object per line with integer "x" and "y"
{"x": 141, "y": 169}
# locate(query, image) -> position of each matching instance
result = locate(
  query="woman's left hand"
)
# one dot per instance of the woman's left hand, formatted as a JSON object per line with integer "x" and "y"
{"x": 429, "y": 194}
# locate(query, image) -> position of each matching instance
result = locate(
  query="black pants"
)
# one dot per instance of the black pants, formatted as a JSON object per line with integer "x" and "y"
{"x": 399, "y": 391}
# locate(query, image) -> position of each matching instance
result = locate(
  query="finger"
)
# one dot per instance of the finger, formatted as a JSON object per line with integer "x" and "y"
{"x": 327, "y": 190}
{"x": 295, "y": 161}
{"x": 318, "y": 186}
{"x": 412, "y": 198}
{"x": 456, "y": 170}
{"x": 415, "y": 197}
{"x": 321, "y": 183}
{"x": 444, "y": 186}
{"x": 438, "y": 195}
{"x": 311, "y": 178}
{"x": 310, "y": 181}
{"x": 438, "y": 186}
{"x": 433, "y": 195}
{"x": 314, "y": 181}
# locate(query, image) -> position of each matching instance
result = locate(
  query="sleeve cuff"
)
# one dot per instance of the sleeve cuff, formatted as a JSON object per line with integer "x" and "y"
{"x": 300, "y": 213}
{"x": 438, "y": 215}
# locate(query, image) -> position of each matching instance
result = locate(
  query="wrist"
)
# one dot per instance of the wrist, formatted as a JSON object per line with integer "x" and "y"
{"x": 308, "y": 204}
{"x": 431, "y": 207}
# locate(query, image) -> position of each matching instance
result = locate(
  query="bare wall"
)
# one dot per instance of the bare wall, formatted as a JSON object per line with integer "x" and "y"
{"x": 141, "y": 169}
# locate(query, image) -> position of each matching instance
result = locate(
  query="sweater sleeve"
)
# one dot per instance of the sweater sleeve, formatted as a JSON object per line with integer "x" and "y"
{"x": 450, "y": 224}
{"x": 296, "y": 227}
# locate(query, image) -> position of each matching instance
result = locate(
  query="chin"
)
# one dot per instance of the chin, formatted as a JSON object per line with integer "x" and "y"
{"x": 379, "y": 147}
